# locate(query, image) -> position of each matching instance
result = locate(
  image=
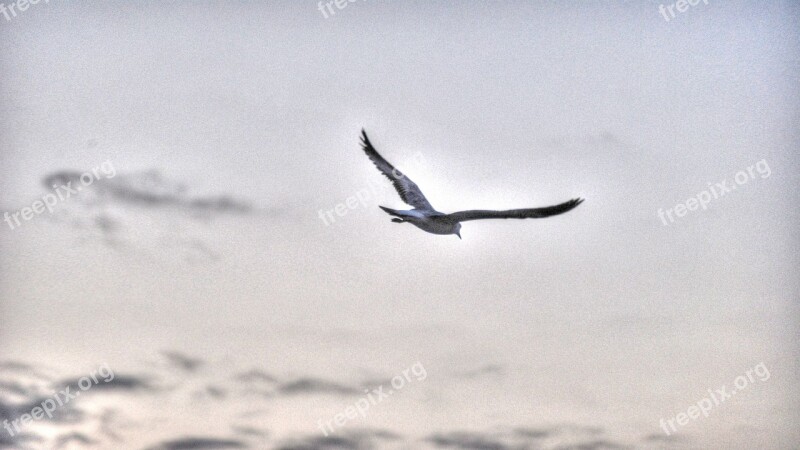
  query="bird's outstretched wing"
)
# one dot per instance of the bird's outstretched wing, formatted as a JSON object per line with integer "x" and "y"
{"x": 530, "y": 213}
{"x": 408, "y": 190}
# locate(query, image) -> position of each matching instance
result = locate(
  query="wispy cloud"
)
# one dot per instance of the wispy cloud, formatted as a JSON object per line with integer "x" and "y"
{"x": 115, "y": 208}
{"x": 197, "y": 443}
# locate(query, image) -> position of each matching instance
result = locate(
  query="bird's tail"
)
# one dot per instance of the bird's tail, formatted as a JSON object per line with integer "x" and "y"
{"x": 393, "y": 212}
{"x": 390, "y": 211}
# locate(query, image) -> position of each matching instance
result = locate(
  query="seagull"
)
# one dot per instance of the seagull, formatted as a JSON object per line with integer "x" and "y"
{"x": 426, "y": 218}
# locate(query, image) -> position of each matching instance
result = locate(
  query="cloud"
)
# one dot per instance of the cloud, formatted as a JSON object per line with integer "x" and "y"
{"x": 533, "y": 433}
{"x": 23, "y": 368}
{"x": 68, "y": 413}
{"x": 124, "y": 383}
{"x": 23, "y": 387}
{"x": 15, "y": 366}
{"x": 196, "y": 443}
{"x": 663, "y": 439}
{"x": 141, "y": 210}
{"x": 598, "y": 444}
{"x": 215, "y": 392}
{"x": 563, "y": 437}
{"x": 325, "y": 442}
{"x": 112, "y": 425}
{"x": 249, "y": 431}
{"x": 18, "y": 440}
{"x": 78, "y": 439}
{"x": 352, "y": 440}
{"x": 14, "y": 388}
{"x": 255, "y": 376}
{"x": 488, "y": 369}
{"x": 316, "y": 386}
{"x": 466, "y": 440}
{"x": 147, "y": 189}
{"x": 184, "y": 362}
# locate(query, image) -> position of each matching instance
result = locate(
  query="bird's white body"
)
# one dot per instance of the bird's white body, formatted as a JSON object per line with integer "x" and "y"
{"x": 431, "y": 221}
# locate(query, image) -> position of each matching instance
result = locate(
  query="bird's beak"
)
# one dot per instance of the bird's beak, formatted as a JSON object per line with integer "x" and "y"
{"x": 458, "y": 233}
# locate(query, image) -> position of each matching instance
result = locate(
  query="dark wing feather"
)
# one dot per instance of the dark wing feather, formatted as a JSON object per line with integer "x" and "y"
{"x": 531, "y": 213}
{"x": 408, "y": 190}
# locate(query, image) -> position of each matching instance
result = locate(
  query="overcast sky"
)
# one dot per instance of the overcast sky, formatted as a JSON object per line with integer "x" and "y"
{"x": 608, "y": 316}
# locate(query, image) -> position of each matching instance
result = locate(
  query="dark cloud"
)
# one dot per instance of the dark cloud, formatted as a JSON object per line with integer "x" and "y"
{"x": 246, "y": 431}
{"x": 73, "y": 438}
{"x": 184, "y": 362}
{"x": 352, "y": 440}
{"x": 317, "y": 386}
{"x": 6, "y": 441}
{"x": 196, "y": 443}
{"x": 61, "y": 178}
{"x": 214, "y": 392}
{"x": 326, "y": 442}
{"x": 112, "y": 426}
{"x": 64, "y": 414}
{"x": 663, "y": 439}
{"x": 122, "y": 383}
{"x": 15, "y": 366}
{"x": 68, "y": 413}
{"x": 126, "y": 383}
{"x": 466, "y": 440}
{"x": 146, "y": 189}
{"x": 14, "y": 387}
{"x": 28, "y": 370}
{"x": 222, "y": 204}
{"x": 257, "y": 382}
{"x": 111, "y": 207}
{"x": 19, "y": 441}
{"x": 598, "y": 444}
{"x": 533, "y": 433}
{"x": 526, "y": 437}
{"x": 107, "y": 224}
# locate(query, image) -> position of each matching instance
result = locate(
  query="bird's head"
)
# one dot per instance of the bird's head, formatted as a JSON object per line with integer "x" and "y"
{"x": 457, "y": 231}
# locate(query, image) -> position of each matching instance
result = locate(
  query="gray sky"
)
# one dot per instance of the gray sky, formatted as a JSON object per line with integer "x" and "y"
{"x": 602, "y": 317}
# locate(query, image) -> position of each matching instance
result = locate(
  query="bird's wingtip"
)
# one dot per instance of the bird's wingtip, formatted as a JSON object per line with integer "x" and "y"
{"x": 364, "y": 139}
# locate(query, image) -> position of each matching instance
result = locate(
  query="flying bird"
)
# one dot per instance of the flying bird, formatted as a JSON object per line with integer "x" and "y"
{"x": 426, "y": 218}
